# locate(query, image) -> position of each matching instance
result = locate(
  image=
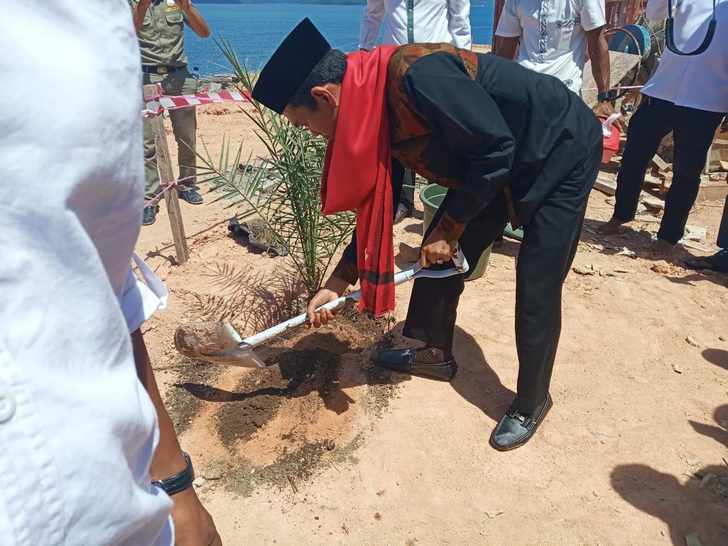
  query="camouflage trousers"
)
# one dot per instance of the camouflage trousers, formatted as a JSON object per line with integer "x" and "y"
{"x": 184, "y": 126}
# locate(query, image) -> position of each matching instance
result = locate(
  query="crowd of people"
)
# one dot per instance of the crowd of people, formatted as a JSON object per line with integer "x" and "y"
{"x": 90, "y": 455}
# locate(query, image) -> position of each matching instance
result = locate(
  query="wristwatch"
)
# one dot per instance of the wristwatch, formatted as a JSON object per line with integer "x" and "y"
{"x": 180, "y": 481}
{"x": 607, "y": 96}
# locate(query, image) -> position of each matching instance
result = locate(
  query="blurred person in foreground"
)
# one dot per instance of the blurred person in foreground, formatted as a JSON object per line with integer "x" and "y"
{"x": 406, "y": 22}
{"x": 688, "y": 96}
{"x": 79, "y": 432}
{"x": 505, "y": 141}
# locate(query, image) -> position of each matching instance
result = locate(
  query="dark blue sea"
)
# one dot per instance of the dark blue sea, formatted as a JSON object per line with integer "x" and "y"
{"x": 255, "y": 30}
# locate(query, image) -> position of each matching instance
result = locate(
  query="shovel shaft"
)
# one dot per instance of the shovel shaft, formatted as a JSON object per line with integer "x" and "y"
{"x": 461, "y": 266}
{"x": 300, "y": 320}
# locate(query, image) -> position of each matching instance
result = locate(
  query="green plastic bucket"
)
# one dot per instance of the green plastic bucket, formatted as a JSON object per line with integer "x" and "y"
{"x": 432, "y": 196}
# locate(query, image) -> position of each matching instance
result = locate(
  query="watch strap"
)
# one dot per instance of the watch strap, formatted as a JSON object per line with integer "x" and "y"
{"x": 180, "y": 481}
{"x": 607, "y": 96}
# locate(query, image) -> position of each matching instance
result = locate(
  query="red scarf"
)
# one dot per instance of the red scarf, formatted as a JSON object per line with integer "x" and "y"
{"x": 358, "y": 170}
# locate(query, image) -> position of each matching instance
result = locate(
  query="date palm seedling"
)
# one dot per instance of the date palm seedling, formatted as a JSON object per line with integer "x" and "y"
{"x": 282, "y": 187}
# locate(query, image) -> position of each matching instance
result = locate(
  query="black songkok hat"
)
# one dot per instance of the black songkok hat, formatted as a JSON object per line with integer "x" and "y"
{"x": 290, "y": 65}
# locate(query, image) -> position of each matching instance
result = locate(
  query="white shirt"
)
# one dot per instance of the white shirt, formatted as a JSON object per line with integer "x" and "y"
{"x": 434, "y": 21}
{"x": 552, "y": 32}
{"x": 77, "y": 428}
{"x": 142, "y": 295}
{"x": 699, "y": 81}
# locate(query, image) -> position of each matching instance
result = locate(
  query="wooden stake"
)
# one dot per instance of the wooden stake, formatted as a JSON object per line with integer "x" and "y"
{"x": 166, "y": 176}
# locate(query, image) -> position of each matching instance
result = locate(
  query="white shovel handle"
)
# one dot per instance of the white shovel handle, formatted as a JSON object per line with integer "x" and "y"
{"x": 461, "y": 267}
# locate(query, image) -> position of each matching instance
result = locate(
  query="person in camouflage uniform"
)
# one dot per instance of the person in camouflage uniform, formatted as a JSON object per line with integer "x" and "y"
{"x": 160, "y": 28}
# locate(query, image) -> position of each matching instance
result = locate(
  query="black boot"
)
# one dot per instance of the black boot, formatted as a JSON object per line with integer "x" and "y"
{"x": 191, "y": 195}
{"x": 431, "y": 363}
{"x": 516, "y": 428}
{"x": 150, "y": 215}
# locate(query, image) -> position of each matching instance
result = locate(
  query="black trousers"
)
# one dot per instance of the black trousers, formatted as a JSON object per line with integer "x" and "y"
{"x": 407, "y": 178}
{"x": 693, "y": 131}
{"x": 723, "y": 230}
{"x": 547, "y": 251}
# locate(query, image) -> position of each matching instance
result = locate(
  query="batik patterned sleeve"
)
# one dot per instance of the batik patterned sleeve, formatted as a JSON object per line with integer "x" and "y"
{"x": 465, "y": 116}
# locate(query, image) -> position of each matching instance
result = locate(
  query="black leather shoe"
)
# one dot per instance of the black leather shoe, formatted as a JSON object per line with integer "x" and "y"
{"x": 427, "y": 362}
{"x": 515, "y": 429}
{"x": 191, "y": 196}
{"x": 150, "y": 215}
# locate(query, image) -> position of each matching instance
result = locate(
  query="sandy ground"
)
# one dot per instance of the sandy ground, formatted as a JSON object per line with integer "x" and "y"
{"x": 633, "y": 451}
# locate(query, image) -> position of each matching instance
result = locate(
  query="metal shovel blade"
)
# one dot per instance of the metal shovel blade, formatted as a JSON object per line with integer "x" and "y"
{"x": 217, "y": 343}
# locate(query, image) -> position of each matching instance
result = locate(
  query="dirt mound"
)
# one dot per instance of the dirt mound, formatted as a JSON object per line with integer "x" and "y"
{"x": 281, "y": 423}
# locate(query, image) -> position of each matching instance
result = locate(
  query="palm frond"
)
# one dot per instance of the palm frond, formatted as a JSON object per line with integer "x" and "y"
{"x": 281, "y": 188}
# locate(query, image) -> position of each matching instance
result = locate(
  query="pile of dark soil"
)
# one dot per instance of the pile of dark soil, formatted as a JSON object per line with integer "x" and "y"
{"x": 279, "y": 425}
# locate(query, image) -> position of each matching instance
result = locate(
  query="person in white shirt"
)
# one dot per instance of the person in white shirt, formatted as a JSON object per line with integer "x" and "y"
{"x": 78, "y": 430}
{"x": 553, "y": 37}
{"x": 171, "y": 468}
{"x": 688, "y": 96}
{"x": 416, "y": 21}
{"x": 407, "y": 22}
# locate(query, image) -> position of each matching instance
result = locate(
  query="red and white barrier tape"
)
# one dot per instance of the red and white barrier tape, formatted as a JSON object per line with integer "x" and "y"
{"x": 154, "y": 106}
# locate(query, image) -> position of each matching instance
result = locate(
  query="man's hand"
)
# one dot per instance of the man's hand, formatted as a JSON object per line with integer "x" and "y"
{"x": 193, "y": 525}
{"x": 333, "y": 289}
{"x": 437, "y": 249}
{"x": 194, "y": 18}
{"x": 605, "y": 109}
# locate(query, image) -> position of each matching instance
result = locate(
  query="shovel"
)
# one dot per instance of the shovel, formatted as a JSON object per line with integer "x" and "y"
{"x": 219, "y": 343}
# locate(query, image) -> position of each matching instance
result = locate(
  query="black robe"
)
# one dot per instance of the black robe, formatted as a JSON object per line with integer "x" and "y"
{"x": 488, "y": 128}
{"x": 506, "y": 126}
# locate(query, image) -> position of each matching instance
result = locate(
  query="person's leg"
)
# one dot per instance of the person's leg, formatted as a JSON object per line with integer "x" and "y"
{"x": 184, "y": 126}
{"x": 693, "y": 133}
{"x": 397, "y": 181}
{"x": 547, "y": 251}
{"x": 647, "y": 128}
{"x": 719, "y": 260}
{"x": 433, "y": 303}
{"x": 723, "y": 229}
{"x": 407, "y": 197}
{"x": 404, "y": 205}
{"x": 151, "y": 172}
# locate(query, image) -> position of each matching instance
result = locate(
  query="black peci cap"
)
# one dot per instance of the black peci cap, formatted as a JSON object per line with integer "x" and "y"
{"x": 290, "y": 65}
